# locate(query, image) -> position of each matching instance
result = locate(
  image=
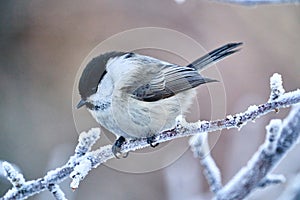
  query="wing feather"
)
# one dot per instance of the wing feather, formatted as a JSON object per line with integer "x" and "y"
{"x": 171, "y": 80}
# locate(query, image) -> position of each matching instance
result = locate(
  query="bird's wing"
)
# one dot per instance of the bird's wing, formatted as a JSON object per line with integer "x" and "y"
{"x": 170, "y": 80}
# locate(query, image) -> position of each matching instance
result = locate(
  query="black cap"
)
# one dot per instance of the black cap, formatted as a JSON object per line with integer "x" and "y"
{"x": 93, "y": 73}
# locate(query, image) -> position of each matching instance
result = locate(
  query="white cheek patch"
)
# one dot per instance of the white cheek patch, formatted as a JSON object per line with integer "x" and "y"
{"x": 106, "y": 86}
{"x": 118, "y": 67}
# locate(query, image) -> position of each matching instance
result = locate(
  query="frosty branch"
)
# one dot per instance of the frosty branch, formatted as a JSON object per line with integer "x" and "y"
{"x": 252, "y": 2}
{"x": 259, "y": 2}
{"x": 281, "y": 136}
{"x": 84, "y": 159}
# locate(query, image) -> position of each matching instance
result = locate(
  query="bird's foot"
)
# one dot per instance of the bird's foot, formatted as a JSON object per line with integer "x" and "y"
{"x": 151, "y": 141}
{"x": 116, "y": 148}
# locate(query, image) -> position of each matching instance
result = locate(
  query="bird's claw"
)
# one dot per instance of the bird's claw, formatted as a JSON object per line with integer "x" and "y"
{"x": 151, "y": 142}
{"x": 116, "y": 148}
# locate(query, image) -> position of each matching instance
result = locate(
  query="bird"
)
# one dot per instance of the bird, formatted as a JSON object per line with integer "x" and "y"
{"x": 137, "y": 96}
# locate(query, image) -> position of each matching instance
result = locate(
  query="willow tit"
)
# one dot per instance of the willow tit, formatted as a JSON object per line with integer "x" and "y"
{"x": 136, "y": 96}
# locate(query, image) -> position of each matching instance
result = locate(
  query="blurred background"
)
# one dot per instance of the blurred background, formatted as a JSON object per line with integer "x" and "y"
{"x": 43, "y": 44}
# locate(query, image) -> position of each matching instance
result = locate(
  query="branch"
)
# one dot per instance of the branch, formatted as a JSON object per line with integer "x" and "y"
{"x": 251, "y": 2}
{"x": 281, "y": 136}
{"x": 259, "y": 2}
{"x": 23, "y": 189}
{"x": 199, "y": 145}
{"x": 84, "y": 159}
{"x": 57, "y": 192}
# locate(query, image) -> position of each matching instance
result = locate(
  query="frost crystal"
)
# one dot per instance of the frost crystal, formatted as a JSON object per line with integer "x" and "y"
{"x": 251, "y": 109}
{"x": 276, "y": 87}
{"x": 86, "y": 140}
{"x": 13, "y": 175}
{"x": 80, "y": 171}
{"x": 273, "y": 134}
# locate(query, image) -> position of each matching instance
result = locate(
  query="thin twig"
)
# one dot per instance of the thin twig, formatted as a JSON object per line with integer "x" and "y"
{"x": 199, "y": 145}
{"x": 259, "y": 2}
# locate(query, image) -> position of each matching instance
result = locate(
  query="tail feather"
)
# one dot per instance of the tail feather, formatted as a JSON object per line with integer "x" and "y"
{"x": 215, "y": 55}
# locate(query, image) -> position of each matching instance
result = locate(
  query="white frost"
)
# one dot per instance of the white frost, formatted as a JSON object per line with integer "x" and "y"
{"x": 80, "y": 171}
{"x": 273, "y": 134}
{"x": 15, "y": 177}
{"x": 57, "y": 192}
{"x": 86, "y": 140}
{"x": 276, "y": 86}
{"x": 252, "y": 108}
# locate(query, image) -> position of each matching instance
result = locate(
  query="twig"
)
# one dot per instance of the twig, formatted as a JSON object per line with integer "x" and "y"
{"x": 251, "y": 2}
{"x": 57, "y": 192}
{"x": 199, "y": 145}
{"x": 271, "y": 179}
{"x": 53, "y": 177}
{"x": 259, "y": 2}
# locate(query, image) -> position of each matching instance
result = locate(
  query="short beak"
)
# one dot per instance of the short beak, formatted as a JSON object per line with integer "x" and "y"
{"x": 81, "y": 103}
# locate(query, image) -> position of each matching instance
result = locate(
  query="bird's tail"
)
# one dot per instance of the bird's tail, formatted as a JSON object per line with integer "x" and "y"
{"x": 215, "y": 55}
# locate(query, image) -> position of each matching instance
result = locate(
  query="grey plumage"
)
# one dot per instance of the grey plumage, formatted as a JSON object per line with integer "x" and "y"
{"x": 136, "y": 96}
